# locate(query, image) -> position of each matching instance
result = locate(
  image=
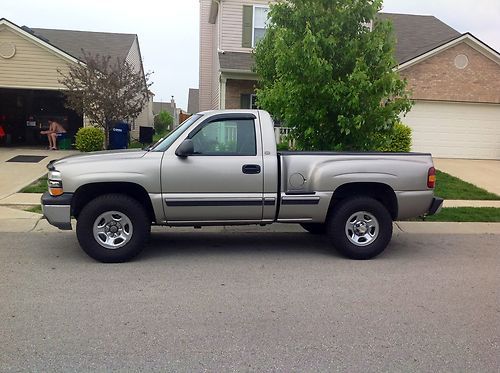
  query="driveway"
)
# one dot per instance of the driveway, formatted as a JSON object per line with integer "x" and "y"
{"x": 482, "y": 173}
{"x": 16, "y": 175}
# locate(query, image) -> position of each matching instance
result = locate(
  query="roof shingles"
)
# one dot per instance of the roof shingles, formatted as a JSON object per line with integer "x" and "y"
{"x": 101, "y": 43}
{"x": 415, "y": 35}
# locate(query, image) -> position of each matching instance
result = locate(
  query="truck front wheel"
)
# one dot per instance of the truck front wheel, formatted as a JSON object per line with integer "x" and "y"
{"x": 360, "y": 227}
{"x": 113, "y": 228}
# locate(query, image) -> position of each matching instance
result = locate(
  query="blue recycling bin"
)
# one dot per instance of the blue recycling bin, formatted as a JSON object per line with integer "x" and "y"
{"x": 118, "y": 136}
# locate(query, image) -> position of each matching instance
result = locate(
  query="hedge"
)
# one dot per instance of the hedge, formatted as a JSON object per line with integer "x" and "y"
{"x": 89, "y": 139}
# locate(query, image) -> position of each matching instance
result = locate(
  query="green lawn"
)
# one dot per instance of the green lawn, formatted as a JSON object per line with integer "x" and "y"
{"x": 37, "y": 209}
{"x": 38, "y": 186}
{"x": 451, "y": 187}
{"x": 467, "y": 214}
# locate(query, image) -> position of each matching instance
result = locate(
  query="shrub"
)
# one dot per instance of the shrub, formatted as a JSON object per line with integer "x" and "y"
{"x": 89, "y": 139}
{"x": 162, "y": 122}
{"x": 399, "y": 140}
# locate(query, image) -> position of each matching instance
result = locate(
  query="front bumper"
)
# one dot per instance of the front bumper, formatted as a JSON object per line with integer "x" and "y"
{"x": 57, "y": 210}
{"x": 436, "y": 206}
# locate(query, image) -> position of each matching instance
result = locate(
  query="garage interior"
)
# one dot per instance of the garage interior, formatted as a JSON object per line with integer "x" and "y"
{"x": 25, "y": 112}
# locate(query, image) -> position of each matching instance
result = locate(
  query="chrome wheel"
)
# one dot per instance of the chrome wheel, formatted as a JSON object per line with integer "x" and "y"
{"x": 113, "y": 229}
{"x": 362, "y": 228}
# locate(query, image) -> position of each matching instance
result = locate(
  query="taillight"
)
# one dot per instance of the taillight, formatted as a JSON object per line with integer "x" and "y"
{"x": 431, "y": 178}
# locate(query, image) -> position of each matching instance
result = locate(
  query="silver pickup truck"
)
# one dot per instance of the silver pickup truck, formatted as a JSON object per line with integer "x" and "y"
{"x": 223, "y": 168}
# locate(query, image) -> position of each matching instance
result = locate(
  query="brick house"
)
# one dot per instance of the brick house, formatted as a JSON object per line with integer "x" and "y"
{"x": 454, "y": 78}
{"x": 30, "y": 61}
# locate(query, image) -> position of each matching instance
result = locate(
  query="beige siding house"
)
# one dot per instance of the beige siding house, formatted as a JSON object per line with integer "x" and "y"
{"x": 454, "y": 78}
{"x": 30, "y": 64}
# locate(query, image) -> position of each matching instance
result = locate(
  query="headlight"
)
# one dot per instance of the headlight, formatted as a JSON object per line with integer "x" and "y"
{"x": 54, "y": 183}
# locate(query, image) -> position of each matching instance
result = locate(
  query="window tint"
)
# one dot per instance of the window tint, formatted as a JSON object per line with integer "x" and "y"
{"x": 226, "y": 137}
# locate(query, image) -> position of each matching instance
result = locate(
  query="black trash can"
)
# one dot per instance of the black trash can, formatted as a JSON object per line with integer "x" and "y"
{"x": 118, "y": 136}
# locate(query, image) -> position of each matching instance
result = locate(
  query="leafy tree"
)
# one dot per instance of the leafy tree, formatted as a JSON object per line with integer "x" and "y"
{"x": 326, "y": 75}
{"x": 163, "y": 122}
{"x": 106, "y": 91}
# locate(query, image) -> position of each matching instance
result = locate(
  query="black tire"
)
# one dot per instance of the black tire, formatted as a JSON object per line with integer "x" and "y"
{"x": 343, "y": 234}
{"x": 314, "y": 228}
{"x": 138, "y": 227}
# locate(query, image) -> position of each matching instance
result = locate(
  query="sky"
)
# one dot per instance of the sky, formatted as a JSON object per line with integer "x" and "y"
{"x": 168, "y": 30}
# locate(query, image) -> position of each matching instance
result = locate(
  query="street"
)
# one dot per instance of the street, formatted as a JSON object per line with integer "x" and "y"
{"x": 250, "y": 301}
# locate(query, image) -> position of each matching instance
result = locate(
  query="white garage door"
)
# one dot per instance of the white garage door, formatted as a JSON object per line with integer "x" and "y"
{"x": 455, "y": 130}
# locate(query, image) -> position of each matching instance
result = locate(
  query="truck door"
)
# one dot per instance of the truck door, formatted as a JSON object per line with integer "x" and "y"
{"x": 223, "y": 179}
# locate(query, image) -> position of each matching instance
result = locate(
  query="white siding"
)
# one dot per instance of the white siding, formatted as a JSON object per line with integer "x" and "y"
{"x": 207, "y": 51}
{"x": 33, "y": 65}
{"x": 144, "y": 119}
{"x": 232, "y": 23}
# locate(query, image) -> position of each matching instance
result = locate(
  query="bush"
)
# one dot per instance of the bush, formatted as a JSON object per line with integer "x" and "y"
{"x": 399, "y": 140}
{"x": 89, "y": 139}
{"x": 162, "y": 122}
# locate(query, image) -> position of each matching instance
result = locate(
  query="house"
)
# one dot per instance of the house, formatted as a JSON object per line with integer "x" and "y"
{"x": 193, "y": 101}
{"x": 170, "y": 107}
{"x": 454, "y": 78}
{"x": 30, "y": 61}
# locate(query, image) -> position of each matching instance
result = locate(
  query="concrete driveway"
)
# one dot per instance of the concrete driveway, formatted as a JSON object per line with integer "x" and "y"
{"x": 15, "y": 175}
{"x": 482, "y": 173}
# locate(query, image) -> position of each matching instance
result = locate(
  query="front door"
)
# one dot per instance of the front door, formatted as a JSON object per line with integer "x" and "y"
{"x": 222, "y": 180}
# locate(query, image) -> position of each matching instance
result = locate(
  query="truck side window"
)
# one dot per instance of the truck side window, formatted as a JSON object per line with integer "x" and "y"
{"x": 226, "y": 137}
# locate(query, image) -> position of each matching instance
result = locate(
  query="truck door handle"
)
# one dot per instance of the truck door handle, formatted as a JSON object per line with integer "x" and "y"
{"x": 251, "y": 169}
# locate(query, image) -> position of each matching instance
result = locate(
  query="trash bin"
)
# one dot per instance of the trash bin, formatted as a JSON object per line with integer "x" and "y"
{"x": 118, "y": 136}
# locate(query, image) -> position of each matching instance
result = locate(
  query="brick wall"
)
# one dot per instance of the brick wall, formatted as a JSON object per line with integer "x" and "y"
{"x": 437, "y": 78}
{"x": 234, "y": 90}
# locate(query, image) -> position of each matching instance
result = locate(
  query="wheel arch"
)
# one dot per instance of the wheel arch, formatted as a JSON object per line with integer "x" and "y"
{"x": 379, "y": 191}
{"x": 86, "y": 193}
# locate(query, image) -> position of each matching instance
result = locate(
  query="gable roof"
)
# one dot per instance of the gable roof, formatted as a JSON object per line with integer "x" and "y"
{"x": 29, "y": 35}
{"x": 70, "y": 43}
{"x": 416, "y": 35}
{"x": 102, "y": 43}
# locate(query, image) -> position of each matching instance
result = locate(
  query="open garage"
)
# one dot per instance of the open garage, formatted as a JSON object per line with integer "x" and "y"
{"x": 24, "y": 113}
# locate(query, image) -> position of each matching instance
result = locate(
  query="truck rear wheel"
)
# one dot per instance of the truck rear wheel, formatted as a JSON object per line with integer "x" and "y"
{"x": 360, "y": 227}
{"x": 113, "y": 228}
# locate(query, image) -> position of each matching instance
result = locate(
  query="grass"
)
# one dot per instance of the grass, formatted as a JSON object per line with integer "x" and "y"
{"x": 36, "y": 209}
{"x": 467, "y": 214}
{"x": 38, "y": 186}
{"x": 451, "y": 187}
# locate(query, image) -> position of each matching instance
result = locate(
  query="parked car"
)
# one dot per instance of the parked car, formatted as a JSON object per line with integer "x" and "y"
{"x": 222, "y": 168}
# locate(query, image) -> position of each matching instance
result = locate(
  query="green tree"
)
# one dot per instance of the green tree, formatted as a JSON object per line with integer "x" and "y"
{"x": 163, "y": 122}
{"x": 329, "y": 77}
{"x": 105, "y": 90}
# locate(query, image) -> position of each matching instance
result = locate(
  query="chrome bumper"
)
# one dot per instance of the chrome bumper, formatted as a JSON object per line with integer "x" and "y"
{"x": 57, "y": 210}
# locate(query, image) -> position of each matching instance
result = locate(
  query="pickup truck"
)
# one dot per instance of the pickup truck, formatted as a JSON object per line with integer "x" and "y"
{"x": 223, "y": 168}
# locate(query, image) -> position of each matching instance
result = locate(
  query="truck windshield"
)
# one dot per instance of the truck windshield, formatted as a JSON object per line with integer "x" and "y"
{"x": 164, "y": 143}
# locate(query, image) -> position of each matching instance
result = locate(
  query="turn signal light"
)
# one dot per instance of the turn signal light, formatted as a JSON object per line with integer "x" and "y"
{"x": 55, "y": 187}
{"x": 431, "y": 178}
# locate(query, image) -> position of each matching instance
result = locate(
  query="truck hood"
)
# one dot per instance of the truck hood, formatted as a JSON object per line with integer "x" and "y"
{"x": 109, "y": 155}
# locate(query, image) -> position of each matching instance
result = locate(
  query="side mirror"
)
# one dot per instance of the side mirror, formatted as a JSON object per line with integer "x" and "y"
{"x": 185, "y": 149}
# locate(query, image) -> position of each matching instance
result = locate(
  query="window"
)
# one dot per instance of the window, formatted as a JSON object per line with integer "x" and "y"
{"x": 260, "y": 14}
{"x": 226, "y": 137}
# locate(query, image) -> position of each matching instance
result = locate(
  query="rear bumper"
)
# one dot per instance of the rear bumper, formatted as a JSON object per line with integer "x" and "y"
{"x": 436, "y": 206}
{"x": 57, "y": 210}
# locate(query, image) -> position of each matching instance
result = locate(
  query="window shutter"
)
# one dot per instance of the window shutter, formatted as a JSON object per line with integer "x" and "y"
{"x": 246, "y": 40}
{"x": 245, "y": 101}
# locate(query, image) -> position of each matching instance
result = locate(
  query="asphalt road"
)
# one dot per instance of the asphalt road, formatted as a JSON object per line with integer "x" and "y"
{"x": 237, "y": 301}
